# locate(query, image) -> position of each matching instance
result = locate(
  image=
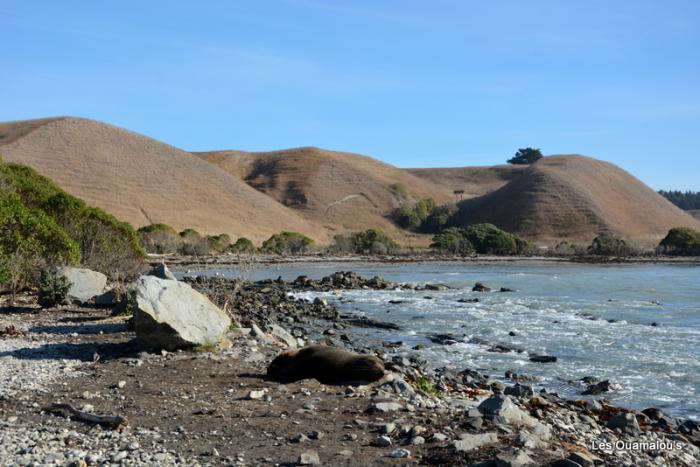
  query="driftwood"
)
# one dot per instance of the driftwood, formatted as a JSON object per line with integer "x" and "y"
{"x": 111, "y": 421}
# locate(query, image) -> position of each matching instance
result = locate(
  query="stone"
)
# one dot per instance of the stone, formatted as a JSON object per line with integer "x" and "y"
{"x": 564, "y": 463}
{"x": 309, "y": 458}
{"x": 387, "y": 428}
{"x": 601, "y": 387}
{"x": 479, "y": 287}
{"x": 398, "y": 454}
{"x": 513, "y": 458}
{"x": 85, "y": 284}
{"x": 519, "y": 391}
{"x": 436, "y": 287}
{"x": 416, "y": 441}
{"x": 109, "y": 298}
{"x": 438, "y": 437}
{"x": 300, "y": 438}
{"x": 381, "y": 441}
{"x": 503, "y": 406}
{"x": 170, "y": 315}
{"x": 625, "y": 422}
{"x": 468, "y": 442}
{"x": 281, "y": 334}
{"x": 543, "y": 358}
{"x": 161, "y": 271}
{"x": 256, "y": 394}
{"x": 384, "y": 407}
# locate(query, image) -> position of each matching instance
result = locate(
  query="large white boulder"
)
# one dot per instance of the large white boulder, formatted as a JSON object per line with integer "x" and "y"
{"x": 171, "y": 315}
{"x": 85, "y": 284}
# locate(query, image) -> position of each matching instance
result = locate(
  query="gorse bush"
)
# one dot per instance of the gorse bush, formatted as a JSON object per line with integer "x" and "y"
{"x": 243, "y": 246}
{"x": 424, "y": 216}
{"x": 486, "y": 239}
{"x": 159, "y": 239}
{"x": 103, "y": 243}
{"x": 682, "y": 241}
{"x": 453, "y": 241}
{"x": 286, "y": 243}
{"x": 192, "y": 243}
{"x": 218, "y": 243}
{"x": 372, "y": 241}
{"x": 608, "y": 244}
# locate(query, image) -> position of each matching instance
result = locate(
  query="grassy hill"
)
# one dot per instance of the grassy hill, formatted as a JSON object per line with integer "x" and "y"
{"x": 573, "y": 198}
{"x": 143, "y": 181}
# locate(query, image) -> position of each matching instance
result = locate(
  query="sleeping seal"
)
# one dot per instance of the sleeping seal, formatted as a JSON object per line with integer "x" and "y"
{"x": 328, "y": 365}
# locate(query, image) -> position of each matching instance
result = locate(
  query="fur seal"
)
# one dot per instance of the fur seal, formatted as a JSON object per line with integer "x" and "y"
{"x": 329, "y": 365}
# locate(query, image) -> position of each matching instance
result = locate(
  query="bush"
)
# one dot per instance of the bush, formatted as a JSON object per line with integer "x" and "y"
{"x": 424, "y": 216}
{"x": 243, "y": 246}
{"x": 29, "y": 241}
{"x": 218, "y": 243}
{"x": 399, "y": 189}
{"x": 607, "y": 244}
{"x": 565, "y": 248}
{"x": 286, "y": 243}
{"x": 489, "y": 239}
{"x": 372, "y": 241}
{"x": 159, "y": 238}
{"x": 192, "y": 243}
{"x": 53, "y": 289}
{"x": 681, "y": 241}
{"x": 453, "y": 241}
{"x": 486, "y": 239}
{"x": 104, "y": 243}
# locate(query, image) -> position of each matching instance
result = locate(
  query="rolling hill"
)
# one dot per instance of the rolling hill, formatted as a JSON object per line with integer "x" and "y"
{"x": 339, "y": 191}
{"x": 321, "y": 193}
{"x": 574, "y": 198}
{"x": 140, "y": 180}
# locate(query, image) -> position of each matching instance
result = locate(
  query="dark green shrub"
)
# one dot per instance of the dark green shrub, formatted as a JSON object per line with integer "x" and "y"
{"x": 243, "y": 246}
{"x": 424, "y": 216}
{"x": 486, "y": 239}
{"x": 218, "y": 243}
{"x": 286, "y": 243}
{"x": 407, "y": 217}
{"x": 681, "y": 241}
{"x": 29, "y": 241}
{"x": 372, "y": 241}
{"x": 192, "y": 243}
{"x": 159, "y": 238}
{"x": 105, "y": 243}
{"x": 565, "y": 248}
{"x": 452, "y": 240}
{"x": 437, "y": 219}
{"x": 489, "y": 239}
{"x": 53, "y": 289}
{"x": 608, "y": 244}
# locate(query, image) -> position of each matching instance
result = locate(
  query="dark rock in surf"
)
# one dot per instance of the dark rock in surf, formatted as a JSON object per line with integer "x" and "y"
{"x": 479, "y": 287}
{"x": 543, "y": 358}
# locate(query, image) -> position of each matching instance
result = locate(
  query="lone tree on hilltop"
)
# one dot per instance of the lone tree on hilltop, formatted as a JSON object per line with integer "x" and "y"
{"x": 526, "y": 156}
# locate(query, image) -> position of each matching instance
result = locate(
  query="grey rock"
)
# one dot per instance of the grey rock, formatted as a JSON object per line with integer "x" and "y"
{"x": 384, "y": 407}
{"x": 416, "y": 441}
{"x": 161, "y": 271}
{"x": 171, "y": 315}
{"x": 381, "y": 441}
{"x": 387, "y": 428}
{"x": 283, "y": 335}
{"x": 479, "y": 287}
{"x": 109, "y": 298}
{"x": 502, "y": 406}
{"x": 438, "y": 437}
{"x": 564, "y": 463}
{"x": 398, "y": 453}
{"x": 513, "y": 458}
{"x": 519, "y": 391}
{"x": 309, "y": 458}
{"x": 625, "y": 422}
{"x": 85, "y": 284}
{"x": 436, "y": 287}
{"x": 469, "y": 442}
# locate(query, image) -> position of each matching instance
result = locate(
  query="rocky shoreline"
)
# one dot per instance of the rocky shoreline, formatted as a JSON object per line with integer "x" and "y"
{"x": 215, "y": 407}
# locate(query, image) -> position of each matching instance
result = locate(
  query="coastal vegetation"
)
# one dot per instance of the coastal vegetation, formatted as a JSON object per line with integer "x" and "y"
{"x": 423, "y": 216}
{"x": 41, "y": 227}
{"x": 681, "y": 241}
{"x": 287, "y": 243}
{"x": 484, "y": 239}
{"x": 526, "y": 156}
{"x": 609, "y": 244}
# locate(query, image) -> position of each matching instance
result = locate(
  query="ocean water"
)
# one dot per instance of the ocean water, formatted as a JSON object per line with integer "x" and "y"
{"x": 558, "y": 309}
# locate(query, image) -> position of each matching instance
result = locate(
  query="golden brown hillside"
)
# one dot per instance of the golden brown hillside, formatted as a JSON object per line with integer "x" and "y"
{"x": 141, "y": 180}
{"x": 475, "y": 181}
{"x": 340, "y": 191}
{"x": 574, "y": 198}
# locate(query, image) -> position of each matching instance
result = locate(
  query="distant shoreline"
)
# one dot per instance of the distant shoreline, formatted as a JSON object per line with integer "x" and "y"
{"x": 225, "y": 260}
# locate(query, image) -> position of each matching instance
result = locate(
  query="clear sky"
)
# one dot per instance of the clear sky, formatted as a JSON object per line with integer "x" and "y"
{"x": 414, "y": 83}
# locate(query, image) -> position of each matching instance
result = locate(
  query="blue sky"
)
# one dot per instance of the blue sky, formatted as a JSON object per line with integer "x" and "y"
{"x": 414, "y": 83}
